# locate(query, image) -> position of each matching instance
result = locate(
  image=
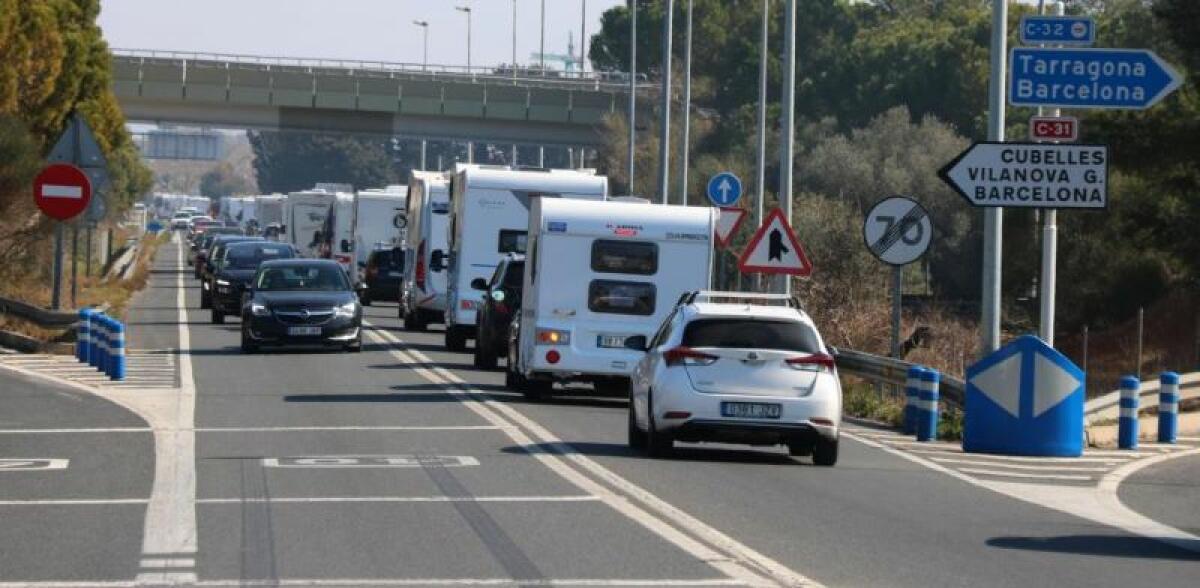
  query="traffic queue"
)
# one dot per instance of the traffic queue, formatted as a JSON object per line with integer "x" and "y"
{"x": 571, "y": 286}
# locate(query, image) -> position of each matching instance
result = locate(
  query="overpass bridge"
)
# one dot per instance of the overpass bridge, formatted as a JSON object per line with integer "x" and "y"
{"x": 496, "y": 105}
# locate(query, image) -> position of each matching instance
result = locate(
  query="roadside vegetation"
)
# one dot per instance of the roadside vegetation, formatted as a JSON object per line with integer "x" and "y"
{"x": 55, "y": 62}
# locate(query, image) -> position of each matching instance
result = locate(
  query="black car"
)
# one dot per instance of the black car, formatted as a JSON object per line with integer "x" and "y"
{"x": 382, "y": 276}
{"x": 301, "y": 302}
{"x": 202, "y": 245}
{"x": 501, "y": 300}
{"x": 236, "y": 269}
{"x": 217, "y": 250}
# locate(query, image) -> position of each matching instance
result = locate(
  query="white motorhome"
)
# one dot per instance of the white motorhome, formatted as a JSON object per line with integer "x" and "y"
{"x": 304, "y": 215}
{"x": 269, "y": 213}
{"x": 380, "y": 222}
{"x": 489, "y": 216}
{"x": 339, "y": 233}
{"x": 423, "y": 292}
{"x": 596, "y": 273}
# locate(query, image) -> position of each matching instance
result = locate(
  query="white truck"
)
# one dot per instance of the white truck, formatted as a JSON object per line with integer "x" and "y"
{"x": 269, "y": 212}
{"x": 304, "y": 215}
{"x": 423, "y": 292}
{"x": 339, "y": 233}
{"x": 595, "y": 274}
{"x": 380, "y": 222}
{"x": 489, "y": 216}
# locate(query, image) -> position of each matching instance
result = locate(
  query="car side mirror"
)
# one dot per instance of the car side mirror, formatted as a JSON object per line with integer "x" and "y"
{"x": 479, "y": 284}
{"x": 437, "y": 260}
{"x": 636, "y": 343}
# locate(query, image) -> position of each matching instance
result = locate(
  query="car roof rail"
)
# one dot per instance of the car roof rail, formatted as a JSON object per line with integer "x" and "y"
{"x": 758, "y": 298}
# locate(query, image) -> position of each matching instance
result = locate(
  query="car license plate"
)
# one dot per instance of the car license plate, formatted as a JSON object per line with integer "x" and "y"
{"x": 751, "y": 410}
{"x": 304, "y": 331}
{"x": 610, "y": 341}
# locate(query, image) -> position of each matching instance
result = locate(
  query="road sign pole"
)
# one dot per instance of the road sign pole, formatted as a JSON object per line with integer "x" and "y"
{"x": 897, "y": 292}
{"x": 762, "y": 125}
{"x": 87, "y": 247}
{"x": 993, "y": 218}
{"x": 74, "y": 264}
{"x": 632, "y": 115}
{"x": 687, "y": 106}
{"x": 56, "y": 295}
{"x": 787, "y": 144}
{"x": 664, "y": 140}
{"x": 1049, "y": 249}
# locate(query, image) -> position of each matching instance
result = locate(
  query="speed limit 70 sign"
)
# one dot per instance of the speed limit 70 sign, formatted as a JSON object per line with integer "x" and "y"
{"x": 897, "y": 230}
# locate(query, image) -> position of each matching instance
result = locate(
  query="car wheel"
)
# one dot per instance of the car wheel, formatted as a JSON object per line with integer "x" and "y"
{"x": 637, "y": 437}
{"x": 800, "y": 448}
{"x": 825, "y": 452}
{"x": 485, "y": 356}
{"x": 218, "y": 317}
{"x": 456, "y": 339}
{"x": 658, "y": 443}
{"x": 535, "y": 389}
{"x": 205, "y": 301}
{"x": 248, "y": 344}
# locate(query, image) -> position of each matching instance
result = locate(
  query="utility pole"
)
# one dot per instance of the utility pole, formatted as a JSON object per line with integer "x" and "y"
{"x": 664, "y": 141}
{"x": 514, "y": 40}
{"x": 423, "y": 168}
{"x": 467, "y": 11}
{"x": 583, "y": 39}
{"x": 787, "y": 142}
{"x": 632, "y": 89}
{"x": 687, "y": 106}
{"x": 993, "y": 218}
{"x": 1049, "y": 245}
{"x": 425, "y": 43}
{"x": 762, "y": 122}
{"x": 543, "y": 39}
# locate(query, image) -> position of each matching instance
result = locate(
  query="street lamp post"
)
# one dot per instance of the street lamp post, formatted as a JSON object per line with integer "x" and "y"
{"x": 514, "y": 44}
{"x": 543, "y": 39}
{"x": 632, "y": 89}
{"x": 424, "y": 43}
{"x": 467, "y": 10}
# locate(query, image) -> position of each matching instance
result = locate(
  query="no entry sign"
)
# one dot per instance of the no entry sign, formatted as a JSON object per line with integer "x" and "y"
{"x": 62, "y": 191}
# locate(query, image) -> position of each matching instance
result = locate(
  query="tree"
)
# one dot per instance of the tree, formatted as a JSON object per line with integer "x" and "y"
{"x": 223, "y": 180}
{"x": 287, "y": 162}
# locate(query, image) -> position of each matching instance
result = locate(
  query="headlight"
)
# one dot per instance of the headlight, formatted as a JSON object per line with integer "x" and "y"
{"x": 259, "y": 309}
{"x": 222, "y": 282}
{"x": 346, "y": 310}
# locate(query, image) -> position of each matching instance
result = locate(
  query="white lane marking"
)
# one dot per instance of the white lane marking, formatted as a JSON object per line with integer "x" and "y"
{"x": 398, "y": 582}
{"x": 370, "y": 461}
{"x": 1098, "y": 504}
{"x": 395, "y": 499}
{"x": 1113, "y": 453}
{"x": 999, "y": 459}
{"x": 730, "y": 557}
{"x": 168, "y": 562}
{"x": 1170, "y": 446}
{"x": 75, "y": 502}
{"x": 1189, "y": 439}
{"x": 80, "y": 430}
{"x": 1017, "y": 466}
{"x": 347, "y": 428}
{"x": 1008, "y": 474}
{"x": 28, "y": 464}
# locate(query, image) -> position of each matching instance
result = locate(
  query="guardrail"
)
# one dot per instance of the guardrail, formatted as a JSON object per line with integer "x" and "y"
{"x": 37, "y": 315}
{"x": 894, "y": 372}
{"x": 1106, "y": 407}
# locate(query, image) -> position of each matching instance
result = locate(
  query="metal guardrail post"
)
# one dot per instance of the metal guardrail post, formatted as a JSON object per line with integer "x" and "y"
{"x": 1168, "y": 407}
{"x": 927, "y": 397}
{"x": 1127, "y": 424}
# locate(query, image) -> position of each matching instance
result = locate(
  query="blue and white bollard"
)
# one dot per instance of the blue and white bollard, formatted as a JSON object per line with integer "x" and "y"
{"x": 95, "y": 335}
{"x": 102, "y": 343}
{"x": 911, "y": 386}
{"x": 1168, "y": 407}
{"x": 927, "y": 405}
{"x": 81, "y": 335}
{"x": 116, "y": 351}
{"x": 1127, "y": 424}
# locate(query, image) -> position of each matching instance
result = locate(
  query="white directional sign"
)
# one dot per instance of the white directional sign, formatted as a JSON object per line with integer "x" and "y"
{"x": 727, "y": 224}
{"x": 774, "y": 249}
{"x": 1031, "y": 175}
{"x": 897, "y": 231}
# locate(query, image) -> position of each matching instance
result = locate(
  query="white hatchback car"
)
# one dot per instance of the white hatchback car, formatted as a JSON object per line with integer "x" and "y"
{"x": 736, "y": 367}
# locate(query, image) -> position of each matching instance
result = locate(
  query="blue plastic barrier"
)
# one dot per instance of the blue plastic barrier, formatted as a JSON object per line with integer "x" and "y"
{"x": 82, "y": 335}
{"x": 116, "y": 351}
{"x": 911, "y": 385}
{"x": 927, "y": 405}
{"x": 96, "y": 335}
{"x": 1168, "y": 407}
{"x": 1127, "y": 424}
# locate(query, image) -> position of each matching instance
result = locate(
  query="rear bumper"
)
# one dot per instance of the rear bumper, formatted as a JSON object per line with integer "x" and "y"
{"x": 752, "y": 433}
{"x": 267, "y": 330}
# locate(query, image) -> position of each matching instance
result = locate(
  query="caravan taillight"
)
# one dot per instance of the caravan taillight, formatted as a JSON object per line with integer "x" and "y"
{"x": 419, "y": 271}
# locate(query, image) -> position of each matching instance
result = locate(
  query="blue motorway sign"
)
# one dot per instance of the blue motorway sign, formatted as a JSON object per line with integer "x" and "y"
{"x": 1024, "y": 399}
{"x": 1057, "y": 30}
{"x": 724, "y": 189}
{"x": 1089, "y": 78}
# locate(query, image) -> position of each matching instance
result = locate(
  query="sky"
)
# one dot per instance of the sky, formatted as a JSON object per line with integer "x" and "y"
{"x": 368, "y": 30}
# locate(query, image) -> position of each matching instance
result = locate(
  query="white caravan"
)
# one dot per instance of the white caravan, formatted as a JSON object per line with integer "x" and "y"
{"x": 423, "y": 292}
{"x": 380, "y": 221}
{"x": 489, "y": 216}
{"x": 269, "y": 213}
{"x": 339, "y": 233}
{"x": 597, "y": 273}
{"x": 304, "y": 215}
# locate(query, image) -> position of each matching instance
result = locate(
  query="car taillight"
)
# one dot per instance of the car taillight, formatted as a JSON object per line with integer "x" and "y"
{"x": 817, "y": 362}
{"x": 553, "y": 337}
{"x": 467, "y": 304}
{"x": 501, "y": 308}
{"x": 687, "y": 356}
{"x": 419, "y": 271}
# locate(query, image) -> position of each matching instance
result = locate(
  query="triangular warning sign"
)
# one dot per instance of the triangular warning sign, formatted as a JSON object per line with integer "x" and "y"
{"x": 774, "y": 249}
{"x": 727, "y": 225}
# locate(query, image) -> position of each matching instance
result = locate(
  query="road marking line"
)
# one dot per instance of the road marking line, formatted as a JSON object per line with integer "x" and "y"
{"x": 370, "y": 461}
{"x": 1024, "y": 458}
{"x": 395, "y": 499}
{"x": 1114, "y": 453}
{"x": 730, "y": 557}
{"x": 1005, "y": 474}
{"x": 469, "y": 582}
{"x": 1169, "y": 446}
{"x": 75, "y": 502}
{"x": 1015, "y": 466}
{"x": 347, "y": 428}
{"x": 66, "y": 431}
{"x": 167, "y": 562}
{"x": 1189, "y": 439}
{"x": 32, "y": 464}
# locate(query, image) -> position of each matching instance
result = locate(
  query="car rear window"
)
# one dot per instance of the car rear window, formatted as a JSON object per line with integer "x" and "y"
{"x": 616, "y": 297}
{"x": 250, "y": 257}
{"x": 624, "y": 257}
{"x": 514, "y": 274}
{"x": 751, "y": 334}
{"x": 392, "y": 259}
{"x": 512, "y": 241}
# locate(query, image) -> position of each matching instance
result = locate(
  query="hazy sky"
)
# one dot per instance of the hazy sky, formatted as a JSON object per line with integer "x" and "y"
{"x": 347, "y": 29}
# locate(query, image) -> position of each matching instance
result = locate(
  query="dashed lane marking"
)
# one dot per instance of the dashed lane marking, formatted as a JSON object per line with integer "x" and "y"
{"x": 1024, "y": 475}
{"x": 371, "y": 461}
{"x": 1014, "y": 466}
{"x": 330, "y": 582}
{"x": 27, "y": 464}
{"x": 86, "y": 430}
{"x": 308, "y": 500}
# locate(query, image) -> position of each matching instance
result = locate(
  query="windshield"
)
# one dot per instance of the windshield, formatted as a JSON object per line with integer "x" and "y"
{"x": 250, "y": 257}
{"x": 325, "y": 278}
{"x": 751, "y": 334}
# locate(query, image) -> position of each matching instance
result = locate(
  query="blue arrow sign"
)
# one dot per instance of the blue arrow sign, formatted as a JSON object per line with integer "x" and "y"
{"x": 724, "y": 189}
{"x": 1089, "y": 78}
{"x": 1058, "y": 30}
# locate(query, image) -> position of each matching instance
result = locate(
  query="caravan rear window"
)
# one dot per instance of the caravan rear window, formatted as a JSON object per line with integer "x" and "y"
{"x": 624, "y": 257}
{"x": 512, "y": 241}
{"x": 614, "y": 297}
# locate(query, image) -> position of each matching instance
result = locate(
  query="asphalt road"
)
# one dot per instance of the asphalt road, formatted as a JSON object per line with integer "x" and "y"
{"x": 403, "y": 465}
